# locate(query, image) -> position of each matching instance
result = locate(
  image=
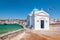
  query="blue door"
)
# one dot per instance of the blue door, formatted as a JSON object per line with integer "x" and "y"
{"x": 42, "y": 23}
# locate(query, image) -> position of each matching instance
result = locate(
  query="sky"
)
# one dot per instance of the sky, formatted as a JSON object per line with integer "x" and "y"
{"x": 19, "y": 9}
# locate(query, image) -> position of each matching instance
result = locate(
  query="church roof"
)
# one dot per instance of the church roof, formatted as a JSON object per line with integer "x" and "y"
{"x": 30, "y": 14}
{"x": 38, "y": 12}
{"x": 35, "y": 9}
{"x": 42, "y": 12}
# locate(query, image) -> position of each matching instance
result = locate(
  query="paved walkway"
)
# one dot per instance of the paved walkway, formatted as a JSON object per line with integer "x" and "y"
{"x": 19, "y": 36}
{"x": 52, "y": 34}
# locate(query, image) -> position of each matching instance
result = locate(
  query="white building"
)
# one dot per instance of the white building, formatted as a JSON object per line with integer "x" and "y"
{"x": 38, "y": 20}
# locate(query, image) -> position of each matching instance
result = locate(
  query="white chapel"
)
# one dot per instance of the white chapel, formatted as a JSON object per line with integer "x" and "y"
{"x": 38, "y": 20}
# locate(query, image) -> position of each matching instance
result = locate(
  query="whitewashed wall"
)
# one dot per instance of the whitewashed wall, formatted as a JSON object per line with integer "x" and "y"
{"x": 35, "y": 19}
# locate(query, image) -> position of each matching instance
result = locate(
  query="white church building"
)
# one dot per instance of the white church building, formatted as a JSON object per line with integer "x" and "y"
{"x": 38, "y": 20}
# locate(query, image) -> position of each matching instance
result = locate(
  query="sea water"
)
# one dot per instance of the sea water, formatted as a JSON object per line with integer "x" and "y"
{"x": 9, "y": 27}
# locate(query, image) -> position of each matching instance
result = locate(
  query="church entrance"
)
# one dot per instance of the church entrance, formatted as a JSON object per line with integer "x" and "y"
{"x": 42, "y": 23}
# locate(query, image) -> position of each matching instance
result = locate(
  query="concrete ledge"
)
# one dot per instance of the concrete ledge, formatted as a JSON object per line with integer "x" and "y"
{"x": 9, "y": 35}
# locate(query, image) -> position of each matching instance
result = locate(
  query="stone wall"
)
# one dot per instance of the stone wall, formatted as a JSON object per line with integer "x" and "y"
{"x": 10, "y": 35}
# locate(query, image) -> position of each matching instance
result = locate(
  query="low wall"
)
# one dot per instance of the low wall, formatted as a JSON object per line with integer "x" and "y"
{"x": 10, "y": 35}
